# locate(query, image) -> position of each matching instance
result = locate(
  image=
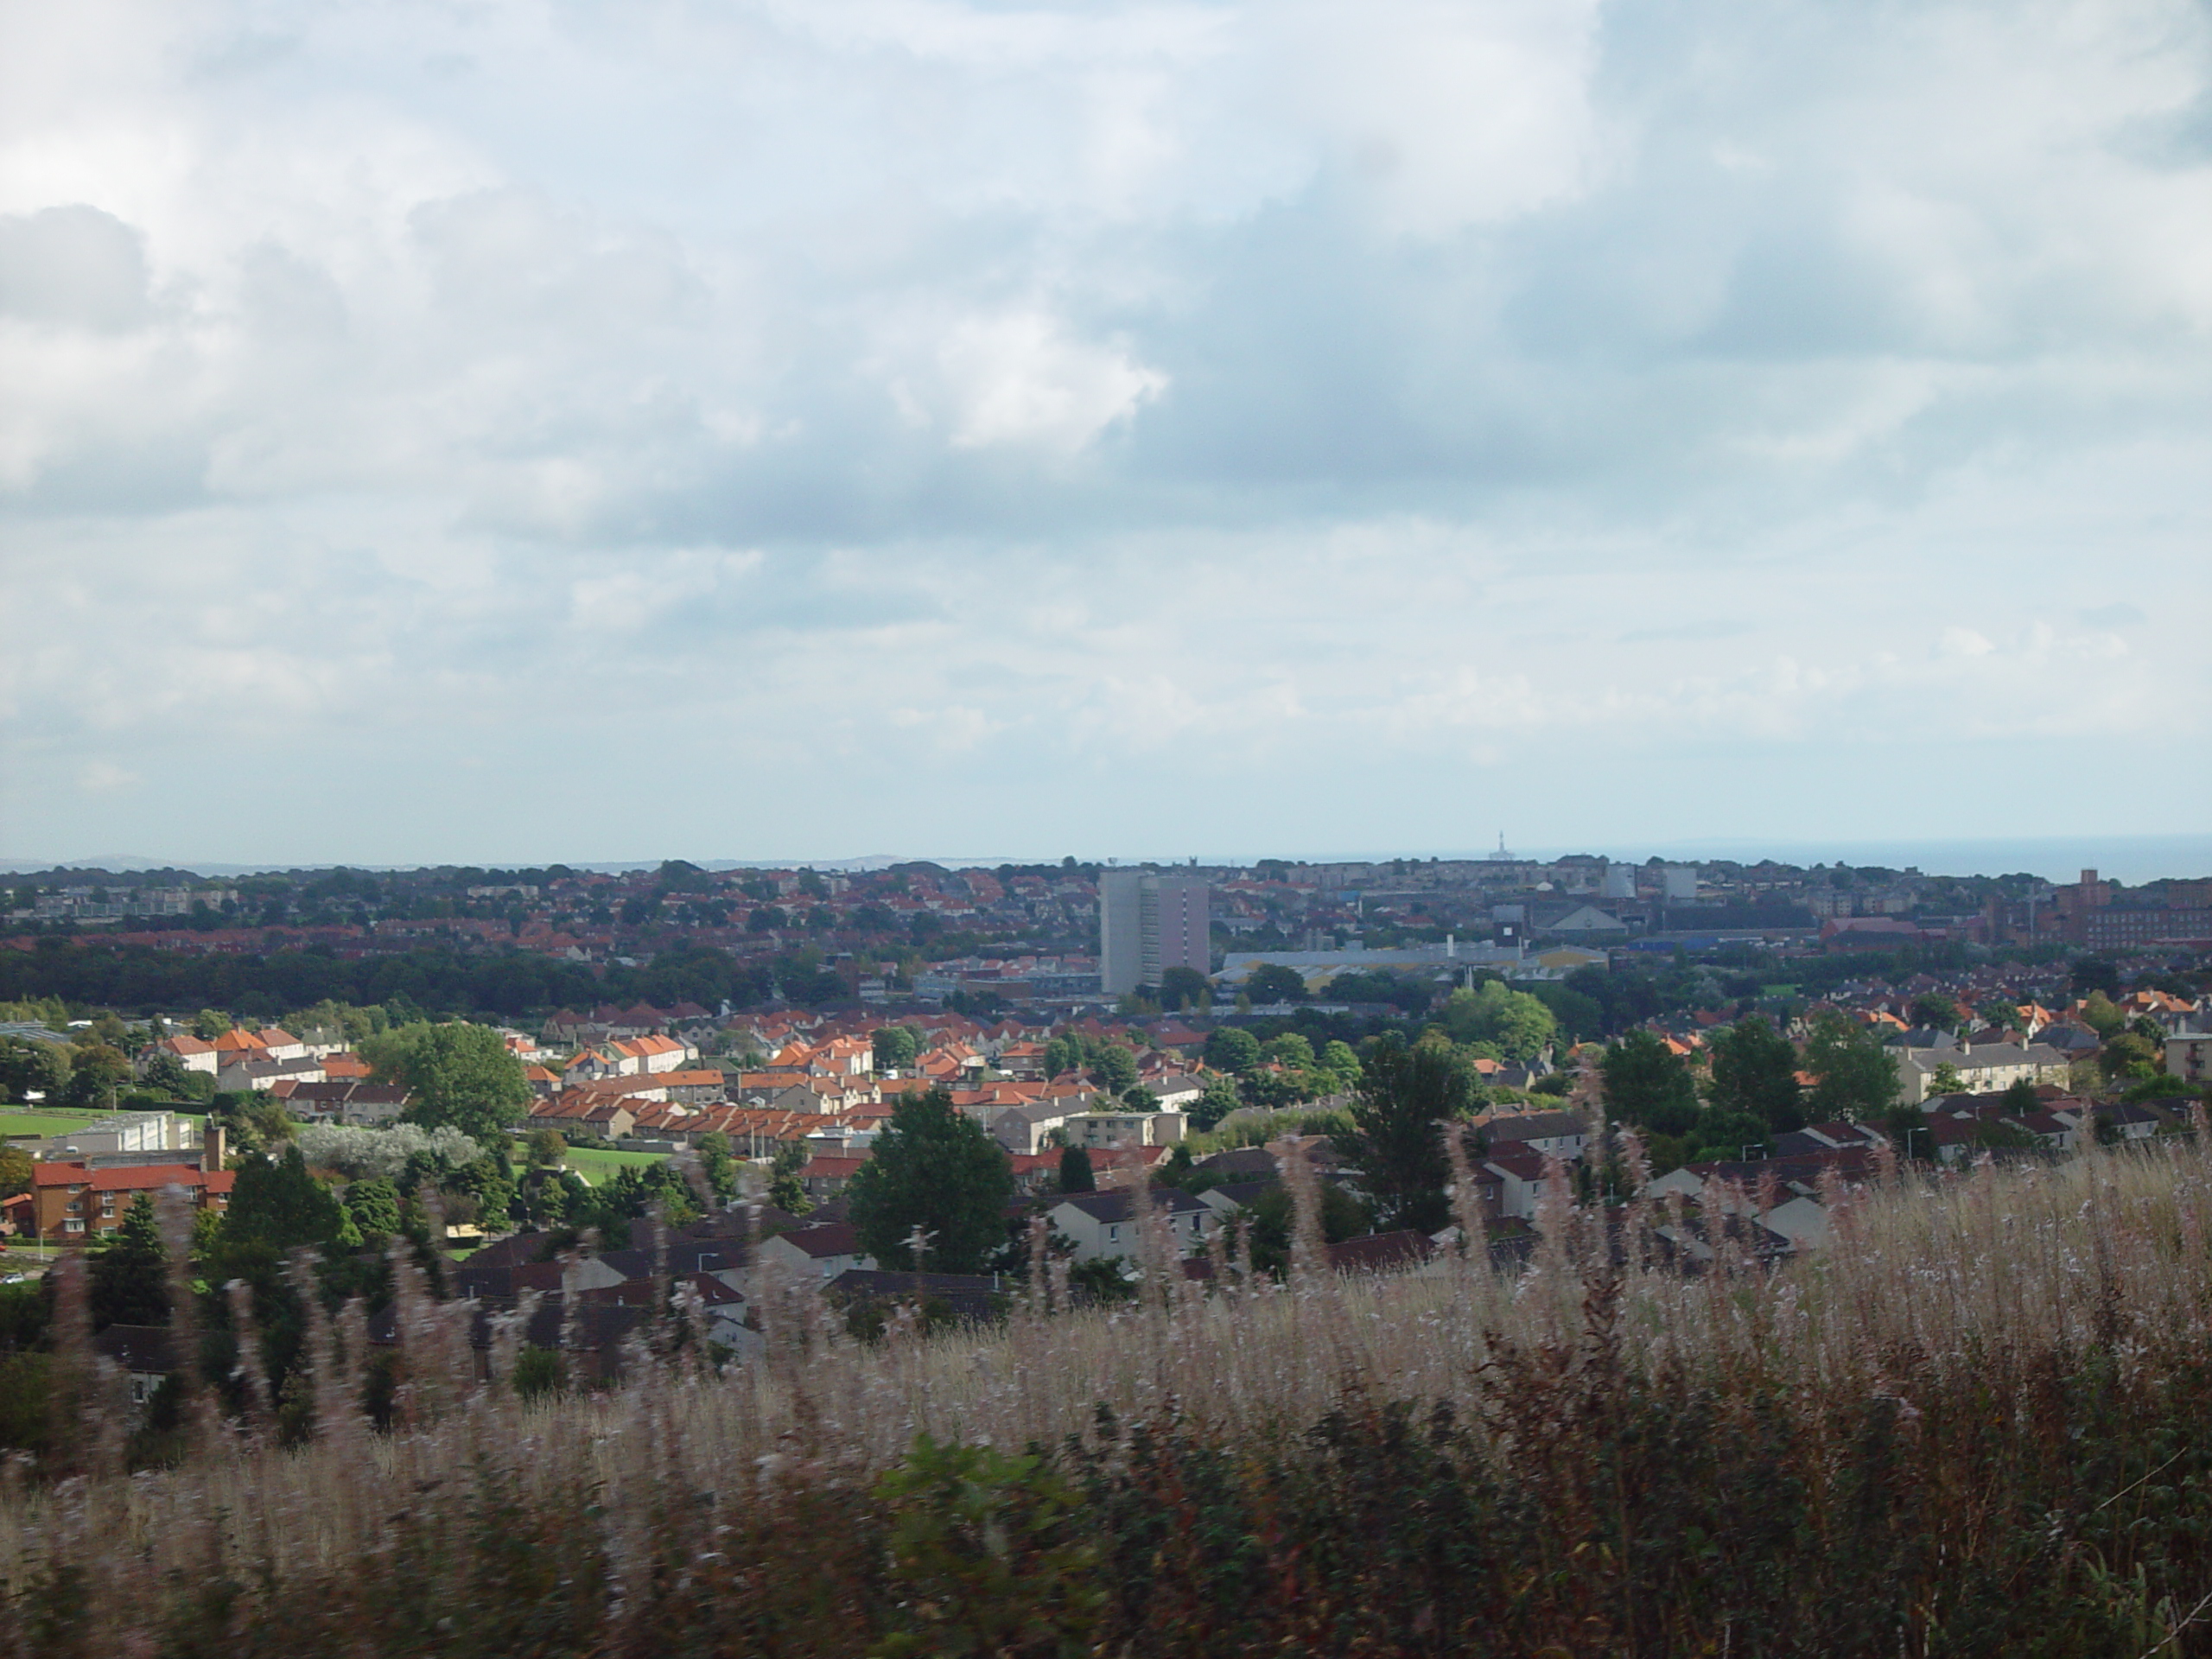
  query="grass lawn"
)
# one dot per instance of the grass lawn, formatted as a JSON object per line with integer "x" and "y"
{"x": 596, "y": 1165}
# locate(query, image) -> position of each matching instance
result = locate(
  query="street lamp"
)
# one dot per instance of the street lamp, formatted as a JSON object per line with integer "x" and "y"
{"x": 1909, "y": 1134}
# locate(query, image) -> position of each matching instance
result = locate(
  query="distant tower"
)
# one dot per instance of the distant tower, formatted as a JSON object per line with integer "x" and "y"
{"x": 1148, "y": 923}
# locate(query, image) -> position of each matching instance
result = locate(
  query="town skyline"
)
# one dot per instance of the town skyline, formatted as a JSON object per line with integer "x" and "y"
{"x": 2128, "y": 858}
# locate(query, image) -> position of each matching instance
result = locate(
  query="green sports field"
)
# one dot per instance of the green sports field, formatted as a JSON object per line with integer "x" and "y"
{"x": 596, "y": 1165}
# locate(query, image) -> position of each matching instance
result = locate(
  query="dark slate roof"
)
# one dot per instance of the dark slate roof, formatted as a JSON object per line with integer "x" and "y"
{"x": 971, "y": 1295}
{"x": 1255, "y": 1162}
{"x": 1115, "y": 1205}
{"x": 1378, "y": 1252}
{"x": 141, "y": 1347}
{"x": 831, "y": 1238}
{"x": 1533, "y": 1126}
{"x": 1244, "y": 1194}
{"x": 597, "y": 1326}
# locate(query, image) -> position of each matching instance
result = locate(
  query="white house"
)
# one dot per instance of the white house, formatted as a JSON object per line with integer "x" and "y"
{"x": 192, "y": 1053}
{"x": 1554, "y": 1135}
{"x": 822, "y": 1252}
{"x": 1983, "y": 1068}
{"x": 1025, "y": 1129}
{"x": 1105, "y": 1223}
{"x": 1096, "y": 1129}
{"x": 2189, "y": 1056}
{"x": 1518, "y": 1170}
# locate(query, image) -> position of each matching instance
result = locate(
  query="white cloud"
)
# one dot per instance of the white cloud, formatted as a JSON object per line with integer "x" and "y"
{"x": 1263, "y": 403}
{"x": 1019, "y": 379}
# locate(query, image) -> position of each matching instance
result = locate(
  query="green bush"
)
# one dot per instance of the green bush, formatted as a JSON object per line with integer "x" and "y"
{"x": 987, "y": 1557}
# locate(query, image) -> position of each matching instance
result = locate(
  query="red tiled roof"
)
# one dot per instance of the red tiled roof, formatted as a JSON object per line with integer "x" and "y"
{"x": 133, "y": 1178}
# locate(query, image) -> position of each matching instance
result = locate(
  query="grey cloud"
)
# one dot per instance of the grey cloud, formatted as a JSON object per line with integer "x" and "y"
{"x": 772, "y": 376}
{"x": 74, "y": 266}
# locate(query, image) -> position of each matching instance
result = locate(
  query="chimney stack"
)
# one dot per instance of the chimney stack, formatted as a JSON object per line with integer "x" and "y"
{"x": 210, "y": 1149}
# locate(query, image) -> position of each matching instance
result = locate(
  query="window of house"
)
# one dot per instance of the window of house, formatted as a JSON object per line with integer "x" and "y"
{"x": 72, "y": 1226}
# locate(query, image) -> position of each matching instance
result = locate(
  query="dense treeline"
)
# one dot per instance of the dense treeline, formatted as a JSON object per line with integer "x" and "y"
{"x": 137, "y": 979}
{"x": 1591, "y": 1004}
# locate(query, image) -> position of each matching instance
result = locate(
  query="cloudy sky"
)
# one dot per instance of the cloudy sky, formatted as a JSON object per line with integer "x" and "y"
{"x": 500, "y": 431}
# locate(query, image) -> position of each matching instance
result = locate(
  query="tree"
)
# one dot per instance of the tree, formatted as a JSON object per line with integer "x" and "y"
{"x": 1138, "y": 1098}
{"x": 1648, "y": 1086}
{"x": 1907, "y": 1126}
{"x": 1270, "y": 1090}
{"x": 209, "y": 1024}
{"x": 1518, "y": 1024}
{"x": 1755, "y": 1071}
{"x": 16, "y": 1171}
{"x": 2021, "y": 1098}
{"x": 1115, "y": 1068}
{"x": 29, "y": 1067}
{"x": 2095, "y": 974}
{"x": 629, "y": 1195}
{"x": 1272, "y": 1215}
{"x": 129, "y": 1272}
{"x": 717, "y": 1164}
{"x": 786, "y": 1190}
{"x": 896, "y": 1048}
{"x": 460, "y": 1075}
{"x": 1076, "y": 1174}
{"x": 1342, "y": 1065}
{"x": 374, "y": 1206}
{"x": 2128, "y": 1054}
{"x": 1405, "y": 1098}
{"x": 935, "y": 1169}
{"x": 1232, "y": 1049}
{"x": 1291, "y": 1050}
{"x": 1219, "y": 1100}
{"x": 488, "y": 1185}
{"x": 548, "y": 1150}
{"x": 1946, "y": 1080}
{"x": 1184, "y": 988}
{"x": 165, "y": 1074}
{"x": 1854, "y": 1076}
{"x": 1934, "y": 1011}
{"x": 1067, "y": 1052}
{"x": 254, "y": 1122}
{"x": 1722, "y": 1135}
{"x": 95, "y": 1072}
{"x": 1272, "y": 983}
{"x": 275, "y": 1202}
{"x": 2102, "y": 1015}
{"x": 334, "y": 1019}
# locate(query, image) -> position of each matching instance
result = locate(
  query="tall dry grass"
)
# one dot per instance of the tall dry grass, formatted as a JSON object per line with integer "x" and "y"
{"x": 1998, "y": 1283}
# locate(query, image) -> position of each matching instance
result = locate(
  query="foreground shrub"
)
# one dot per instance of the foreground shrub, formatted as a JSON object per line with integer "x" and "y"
{"x": 1978, "y": 1426}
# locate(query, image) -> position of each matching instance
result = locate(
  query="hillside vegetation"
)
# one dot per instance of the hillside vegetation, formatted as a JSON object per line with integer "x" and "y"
{"x": 1976, "y": 1425}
